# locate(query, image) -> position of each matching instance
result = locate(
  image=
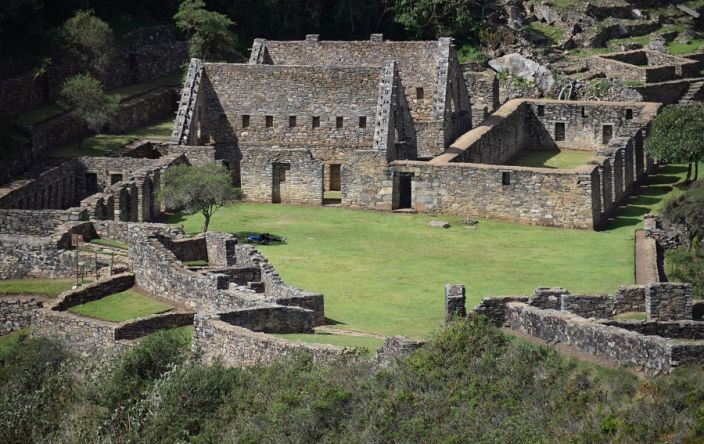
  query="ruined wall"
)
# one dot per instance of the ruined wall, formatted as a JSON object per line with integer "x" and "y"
{"x": 93, "y": 291}
{"x": 16, "y": 311}
{"x": 644, "y": 66}
{"x": 599, "y": 306}
{"x": 31, "y": 256}
{"x": 139, "y": 111}
{"x": 618, "y": 345}
{"x": 666, "y": 301}
{"x": 36, "y": 222}
{"x": 54, "y": 187}
{"x": 274, "y": 319}
{"x": 262, "y": 169}
{"x": 215, "y": 339}
{"x": 78, "y": 334}
{"x": 532, "y": 196}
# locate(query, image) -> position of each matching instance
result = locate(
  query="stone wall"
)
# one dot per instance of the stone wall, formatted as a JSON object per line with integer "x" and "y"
{"x": 215, "y": 339}
{"x": 54, "y": 187}
{"x": 667, "y": 236}
{"x": 79, "y": 334}
{"x": 93, "y": 291}
{"x": 274, "y": 319}
{"x": 396, "y": 347}
{"x": 535, "y": 196}
{"x": 668, "y": 301}
{"x": 494, "y": 308}
{"x": 143, "y": 55}
{"x": 693, "y": 330}
{"x": 430, "y": 73}
{"x": 141, "y": 327}
{"x": 629, "y": 298}
{"x": 16, "y": 311}
{"x": 144, "y": 109}
{"x": 36, "y": 222}
{"x": 588, "y": 306}
{"x": 302, "y": 176}
{"x": 644, "y": 66}
{"x": 616, "y": 344}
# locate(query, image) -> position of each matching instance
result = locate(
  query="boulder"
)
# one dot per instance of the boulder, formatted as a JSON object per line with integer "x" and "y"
{"x": 524, "y": 68}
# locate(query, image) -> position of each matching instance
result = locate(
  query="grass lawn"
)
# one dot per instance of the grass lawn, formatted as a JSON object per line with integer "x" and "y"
{"x": 563, "y": 159}
{"x": 46, "y": 287}
{"x": 367, "y": 343}
{"x": 121, "y": 307}
{"x": 110, "y": 243}
{"x": 104, "y": 144}
{"x": 10, "y": 340}
{"x": 384, "y": 273}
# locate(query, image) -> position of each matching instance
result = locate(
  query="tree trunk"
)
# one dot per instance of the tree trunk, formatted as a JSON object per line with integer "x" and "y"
{"x": 696, "y": 169}
{"x": 206, "y": 222}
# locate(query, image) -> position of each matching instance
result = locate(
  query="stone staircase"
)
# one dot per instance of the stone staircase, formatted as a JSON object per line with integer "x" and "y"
{"x": 186, "y": 108}
{"x": 694, "y": 89}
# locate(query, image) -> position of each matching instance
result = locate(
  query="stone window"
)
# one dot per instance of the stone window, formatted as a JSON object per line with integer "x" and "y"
{"x": 420, "y": 94}
{"x": 584, "y": 112}
{"x": 629, "y": 114}
{"x": 541, "y": 110}
{"x": 269, "y": 121}
{"x": 362, "y": 121}
{"x": 91, "y": 183}
{"x": 559, "y": 132}
{"x": 338, "y": 122}
{"x": 291, "y": 121}
{"x": 607, "y": 132}
{"x": 115, "y": 178}
{"x": 316, "y": 122}
{"x": 505, "y": 178}
{"x": 245, "y": 121}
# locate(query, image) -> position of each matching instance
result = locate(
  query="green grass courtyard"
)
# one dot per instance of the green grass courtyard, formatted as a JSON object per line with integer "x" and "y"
{"x": 121, "y": 307}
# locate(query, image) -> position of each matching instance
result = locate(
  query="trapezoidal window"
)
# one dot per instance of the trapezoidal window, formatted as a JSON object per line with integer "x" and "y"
{"x": 541, "y": 110}
{"x": 362, "y": 121}
{"x": 559, "y": 132}
{"x": 584, "y": 112}
{"x": 291, "y": 121}
{"x": 420, "y": 94}
{"x": 316, "y": 122}
{"x": 505, "y": 178}
{"x": 245, "y": 121}
{"x": 338, "y": 122}
{"x": 629, "y": 114}
{"x": 269, "y": 121}
{"x": 607, "y": 132}
{"x": 115, "y": 178}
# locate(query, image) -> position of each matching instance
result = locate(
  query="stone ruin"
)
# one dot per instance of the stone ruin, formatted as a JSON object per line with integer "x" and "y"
{"x": 667, "y": 337}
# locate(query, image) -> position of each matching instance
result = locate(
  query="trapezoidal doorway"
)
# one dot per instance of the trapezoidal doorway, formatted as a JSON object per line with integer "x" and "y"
{"x": 278, "y": 177}
{"x": 402, "y": 198}
{"x": 333, "y": 184}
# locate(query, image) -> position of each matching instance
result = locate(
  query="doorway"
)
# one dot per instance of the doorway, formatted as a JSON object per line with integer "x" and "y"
{"x": 278, "y": 177}
{"x": 402, "y": 191}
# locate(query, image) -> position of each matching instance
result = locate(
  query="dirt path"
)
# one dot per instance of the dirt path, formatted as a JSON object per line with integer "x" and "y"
{"x": 646, "y": 259}
{"x": 343, "y": 331}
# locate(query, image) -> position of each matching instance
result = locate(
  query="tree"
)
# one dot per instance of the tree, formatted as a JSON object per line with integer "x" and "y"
{"x": 90, "y": 39}
{"x": 676, "y": 136}
{"x": 438, "y": 18}
{"x": 198, "y": 189}
{"x": 687, "y": 209}
{"x": 89, "y": 102}
{"x": 209, "y": 31}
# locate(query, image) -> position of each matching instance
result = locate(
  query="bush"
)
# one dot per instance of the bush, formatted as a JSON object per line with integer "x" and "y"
{"x": 685, "y": 265}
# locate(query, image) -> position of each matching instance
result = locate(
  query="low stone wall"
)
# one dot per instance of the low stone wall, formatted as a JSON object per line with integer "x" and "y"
{"x": 32, "y": 256}
{"x": 16, "y": 311}
{"x": 547, "y": 298}
{"x": 629, "y": 298}
{"x": 34, "y": 222}
{"x": 666, "y": 235}
{"x": 668, "y": 301}
{"x": 277, "y": 319}
{"x": 155, "y": 105}
{"x": 79, "y": 334}
{"x": 674, "y": 329}
{"x": 588, "y": 306}
{"x": 215, "y": 339}
{"x": 494, "y": 308}
{"x": 93, "y": 291}
{"x": 395, "y": 347}
{"x": 117, "y": 230}
{"x": 618, "y": 345}
{"x": 144, "y": 326}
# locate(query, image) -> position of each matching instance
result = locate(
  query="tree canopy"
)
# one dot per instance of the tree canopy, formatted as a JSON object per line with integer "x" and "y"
{"x": 210, "y": 37}
{"x": 198, "y": 189}
{"x": 89, "y": 102}
{"x": 687, "y": 209}
{"x": 676, "y": 135}
{"x": 430, "y": 19}
{"x": 90, "y": 39}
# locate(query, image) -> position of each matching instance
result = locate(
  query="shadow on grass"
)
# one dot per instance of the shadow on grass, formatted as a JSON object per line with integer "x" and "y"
{"x": 331, "y": 321}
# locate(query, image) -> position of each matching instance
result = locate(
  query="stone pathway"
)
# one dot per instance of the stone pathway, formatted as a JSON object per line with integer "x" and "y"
{"x": 343, "y": 331}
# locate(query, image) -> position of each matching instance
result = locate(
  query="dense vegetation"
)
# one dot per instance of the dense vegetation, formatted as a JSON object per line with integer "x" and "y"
{"x": 29, "y": 28}
{"x": 470, "y": 383}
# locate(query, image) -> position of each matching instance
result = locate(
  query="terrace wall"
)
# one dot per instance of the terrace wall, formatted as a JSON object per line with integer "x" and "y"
{"x": 16, "y": 311}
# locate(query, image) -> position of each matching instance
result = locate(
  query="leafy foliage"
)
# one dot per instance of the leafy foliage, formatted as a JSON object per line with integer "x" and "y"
{"x": 198, "y": 189}
{"x": 85, "y": 95}
{"x": 209, "y": 32}
{"x": 430, "y": 19}
{"x": 676, "y": 135}
{"x": 687, "y": 265}
{"x": 90, "y": 39}
{"x": 688, "y": 209}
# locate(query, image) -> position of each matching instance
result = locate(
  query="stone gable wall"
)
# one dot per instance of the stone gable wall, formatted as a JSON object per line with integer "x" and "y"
{"x": 230, "y": 91}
